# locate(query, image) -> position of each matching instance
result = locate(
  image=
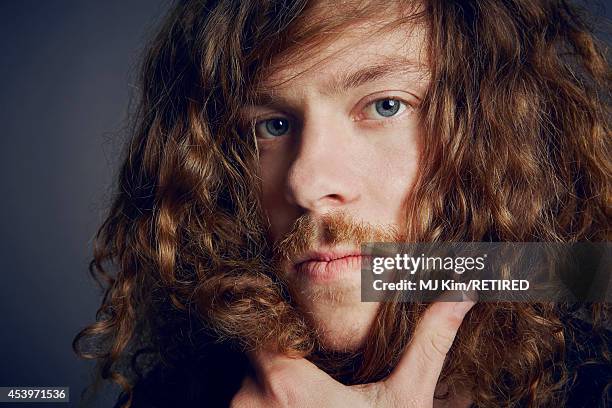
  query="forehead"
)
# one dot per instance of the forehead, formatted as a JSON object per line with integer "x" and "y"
{"x": 360, "y": 51}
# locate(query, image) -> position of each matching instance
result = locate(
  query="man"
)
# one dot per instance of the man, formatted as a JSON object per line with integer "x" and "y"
{"x": 273, "y": 138}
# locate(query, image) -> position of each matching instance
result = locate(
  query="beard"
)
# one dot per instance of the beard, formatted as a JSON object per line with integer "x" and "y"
{"x": 265, "y": 304}
{"x": 359, "y": 342}
{"x": 332, "y": 307}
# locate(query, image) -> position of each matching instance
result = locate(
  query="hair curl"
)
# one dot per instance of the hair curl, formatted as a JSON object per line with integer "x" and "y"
{"x": 517, "y": 149}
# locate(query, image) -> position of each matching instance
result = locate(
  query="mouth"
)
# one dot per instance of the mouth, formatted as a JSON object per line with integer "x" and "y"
{"x": 325, "y": 267}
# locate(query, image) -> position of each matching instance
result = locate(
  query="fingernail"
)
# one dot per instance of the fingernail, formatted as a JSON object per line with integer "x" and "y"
{"x": 451, "y": 296}
{"x": 469, "y": 295}
{"x": 461, "y": 308}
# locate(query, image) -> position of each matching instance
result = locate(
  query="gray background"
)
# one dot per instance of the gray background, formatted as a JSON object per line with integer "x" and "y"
{"x": 67, "y": 70}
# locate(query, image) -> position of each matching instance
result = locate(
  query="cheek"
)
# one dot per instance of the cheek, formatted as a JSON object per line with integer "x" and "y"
{"x": 393, "y": 168}
{"x": 273, "y": 170}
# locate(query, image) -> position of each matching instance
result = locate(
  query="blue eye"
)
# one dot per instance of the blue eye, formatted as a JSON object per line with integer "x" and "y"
{"x": 387, "y": 107}
{"x": 271, "y": 128}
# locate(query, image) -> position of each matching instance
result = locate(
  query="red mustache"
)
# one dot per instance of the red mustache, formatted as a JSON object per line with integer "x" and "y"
{"x": 309, "y": 234}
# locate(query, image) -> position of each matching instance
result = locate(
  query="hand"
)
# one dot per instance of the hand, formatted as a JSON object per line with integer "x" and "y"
{"x": 288, "y": 382}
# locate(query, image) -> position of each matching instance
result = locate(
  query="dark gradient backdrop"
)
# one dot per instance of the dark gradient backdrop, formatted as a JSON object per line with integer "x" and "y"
{"x": 67, "y": 71}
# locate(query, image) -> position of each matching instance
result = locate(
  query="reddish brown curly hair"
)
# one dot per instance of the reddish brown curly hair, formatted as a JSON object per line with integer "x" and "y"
{"x": 516, "y": 148}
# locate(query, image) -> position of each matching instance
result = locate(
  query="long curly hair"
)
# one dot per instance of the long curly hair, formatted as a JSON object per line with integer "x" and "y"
{"x": 516, "y": 148}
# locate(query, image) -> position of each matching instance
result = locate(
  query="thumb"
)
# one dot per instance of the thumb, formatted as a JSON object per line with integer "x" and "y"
{"x": 422, "y": 363}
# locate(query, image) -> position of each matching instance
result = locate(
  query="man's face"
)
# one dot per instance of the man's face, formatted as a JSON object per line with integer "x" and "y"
{"x": 338, "y": 133}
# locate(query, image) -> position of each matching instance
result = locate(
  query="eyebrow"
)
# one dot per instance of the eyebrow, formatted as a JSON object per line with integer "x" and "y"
{"x": 345, "y": 81}
{"x": 388, "y": 68}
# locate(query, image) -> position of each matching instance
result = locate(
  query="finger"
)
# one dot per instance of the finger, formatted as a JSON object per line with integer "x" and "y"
{"x": 266, "y": 362}
{"x": 288, "y": 379}
{"x": 421, "y": 365}
{"x": 248, "y": 396}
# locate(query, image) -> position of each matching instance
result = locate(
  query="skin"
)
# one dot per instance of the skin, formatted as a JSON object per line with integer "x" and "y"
{"x": 325, "y": 146}
{"x": 285, "y": 382}
{"x": 337, "y": 150}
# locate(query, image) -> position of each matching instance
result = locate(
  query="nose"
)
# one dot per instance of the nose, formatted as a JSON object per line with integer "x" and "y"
{"x": 323, "y": 175}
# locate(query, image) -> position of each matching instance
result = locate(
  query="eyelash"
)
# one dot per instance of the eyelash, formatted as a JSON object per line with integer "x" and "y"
{"x": 385, "y": 121}
{"x": 382, "y": 121}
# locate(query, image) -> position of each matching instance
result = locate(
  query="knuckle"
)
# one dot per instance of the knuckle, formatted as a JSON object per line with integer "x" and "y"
{"x": 281, "y": 388}
{"x": 416, "y": 402}
{"x": 247, "y": 396}
{"x": 438, "y": 345}
{"x": 242, "y": 399}
{"x": 405, "y": 398}
{"x": 384, "y": 396}
{"x": 377, "y": 394}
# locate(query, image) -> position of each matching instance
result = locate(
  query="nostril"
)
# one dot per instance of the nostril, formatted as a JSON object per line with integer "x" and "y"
{"x": 335, "y": 197}
{"x": 330, "y": 200}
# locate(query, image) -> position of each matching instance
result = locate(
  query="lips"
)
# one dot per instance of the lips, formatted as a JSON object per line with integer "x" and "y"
{"x": 321, "y": 267}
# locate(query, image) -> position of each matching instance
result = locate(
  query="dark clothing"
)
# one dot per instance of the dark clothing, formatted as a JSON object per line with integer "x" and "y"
{"x": 591, "y": 385}
{"x": 209, "y": 381}
{"x": 213, "y": 379}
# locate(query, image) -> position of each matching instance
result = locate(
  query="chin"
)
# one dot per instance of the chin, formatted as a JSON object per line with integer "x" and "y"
{"x": 342, "y": 327}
